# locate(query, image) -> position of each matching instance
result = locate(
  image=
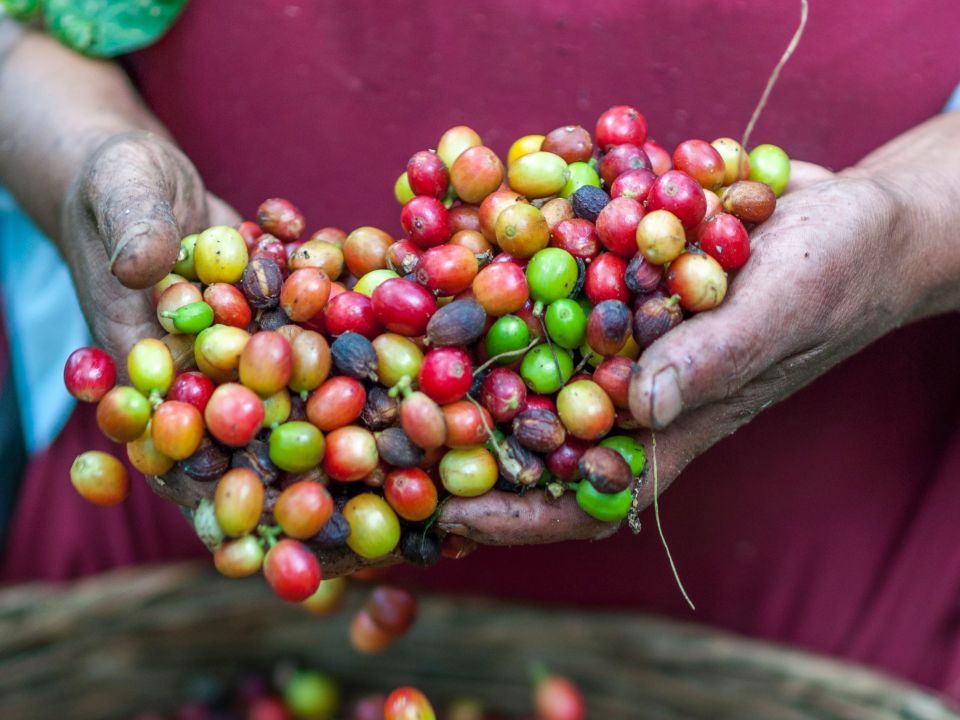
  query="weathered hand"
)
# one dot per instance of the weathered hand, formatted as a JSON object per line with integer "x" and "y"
{"x": 122, "y": 221}
{"x": 829, "y": 273}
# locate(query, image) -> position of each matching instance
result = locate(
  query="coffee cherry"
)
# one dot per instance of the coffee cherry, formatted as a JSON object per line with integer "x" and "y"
{"x": 701, "y": 161}
{"x": 605, "y": 279}
{"x": 425, "y": 220}
{"x": 311, "y": 695}
{"x": 411, "y": 493}
{"x": 736, "y": 162}
{"x": 660, "y": 237}
{"x": 524, "y": 146}
{"x": 557, "y": 698}
{"x": 408, "y": 703}
{"x": 303, "y": 509}
{"x": 89, "y": 373}
{"x": 304, "y": 293}
{"x": 176, "y": 429}
{"x": 423, "y": 421}
{"x": 368, "y": 638}
{"x": 455, "y": 141}
{"x": 617, "y": 226}
{"x": 338, "y": 402}
{"x": 521, "y": 230}
{"x": 544, "y": 370}
{"x": 476, "y": 173}
{"x": 609, "y": 326}
{"x": 397, "y": 357}
{"x": 466, "y": 424}
{"x": 752, "y": 202}
{"x": 459, "y": 323}
{"x": 724, "y": 238}
{"x": 238, "y": 502}
{"x": 577, "y": 236}
{"x": 310, "y": 360}
{"x": 296, "y": 446}
{"x": 403, "y": 307}
{"x": 328, "y": 598}
{"x": 374, "y": 528}
{"x": 503, "y": 393}
{"x": 681, "y": 195}
{"x": 292, "y": 570}
{"x": 501, "y": 288}
{"x": 150, "y": 366}
{"x": 123, "y": 414}
{"x": 220, "y": 255}
{"x": 239, "y": 558}
{"x": 468, "y": 472}
{"x": 266, "y": 363}
{"x": 585, "y": 410}
{"x": 447, "y": 269}
{"x": 563, "y": 462}
{"x": 365, "y": 250}
{"x": 100, "y": 478}
{"x": 660, "y": 160}
{"x": 613, "y": 375}
{"x": 351, "y": 312}
{"x": 699, "y": 280}
{"x": 620, "y": 160}
{"x": 490, "y": 209}
{"x": 566, "y": 323}
{"x": 145, "y": 457}
{"x": 621, "y": 124}
{"x": 233, "y": 414}
{"x": 229, "y": 305}
{"x": 281, "y": 218}
{"x": 351, "y": 453}
{"x": 446, "y": 375}
{"x": 581, "y": 175}
{"x": 427, "y": 174}
{"x": 634, "y": 184}
{"x": 769, "y": 164}
{"x": 538, "y": 175}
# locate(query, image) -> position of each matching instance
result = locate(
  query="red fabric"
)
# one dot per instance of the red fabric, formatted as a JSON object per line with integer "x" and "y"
{"x": 831, "y": 520}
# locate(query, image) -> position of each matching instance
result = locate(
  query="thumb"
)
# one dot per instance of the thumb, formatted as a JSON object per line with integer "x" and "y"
{"x": 134, "y": 189}
{"x": 703, "y": 359}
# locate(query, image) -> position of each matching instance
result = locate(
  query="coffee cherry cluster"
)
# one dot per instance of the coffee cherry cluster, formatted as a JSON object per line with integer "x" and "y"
{"x": 291, "y": 691}
{"x": 330, "y": 392}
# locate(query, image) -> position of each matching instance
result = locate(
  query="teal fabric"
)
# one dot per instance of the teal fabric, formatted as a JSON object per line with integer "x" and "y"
{"x": 43, "y": 321}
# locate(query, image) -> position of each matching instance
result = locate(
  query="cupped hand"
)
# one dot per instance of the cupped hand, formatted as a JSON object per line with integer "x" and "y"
{"x": 121, "y": 226}
{"x": 829, "y": 272}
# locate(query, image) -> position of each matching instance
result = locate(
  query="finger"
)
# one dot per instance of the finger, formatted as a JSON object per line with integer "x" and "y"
{"x": 703, "y": 359}
{"x": 219, "y": 212}
{"x": 130, "y": 190}
{"x": 804, "y": 174}
{"x": 501, "y": 518}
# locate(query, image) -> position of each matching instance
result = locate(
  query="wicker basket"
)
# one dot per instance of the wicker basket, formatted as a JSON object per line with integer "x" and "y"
{"x": 135, "y": 639}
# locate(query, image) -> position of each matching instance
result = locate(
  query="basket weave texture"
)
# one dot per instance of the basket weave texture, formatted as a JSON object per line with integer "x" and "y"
{"x": 134, "y": 639}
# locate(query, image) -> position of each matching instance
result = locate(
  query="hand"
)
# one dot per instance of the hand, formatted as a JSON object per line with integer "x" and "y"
{"x": 825, "y": 278}
{"x": 122, "y": 222}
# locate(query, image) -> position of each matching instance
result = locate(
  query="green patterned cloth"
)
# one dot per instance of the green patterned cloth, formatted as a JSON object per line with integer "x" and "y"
{"x": 100, "y": 28}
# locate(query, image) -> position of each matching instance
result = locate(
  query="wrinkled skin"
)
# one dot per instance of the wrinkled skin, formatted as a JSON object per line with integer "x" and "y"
{"x": 123, "y": 219}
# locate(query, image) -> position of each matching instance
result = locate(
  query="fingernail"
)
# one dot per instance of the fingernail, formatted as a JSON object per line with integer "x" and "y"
{"x": 665, "y": 400}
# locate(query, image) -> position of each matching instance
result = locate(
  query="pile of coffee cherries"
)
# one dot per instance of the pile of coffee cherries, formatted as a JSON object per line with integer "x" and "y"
{"x": 332, "y": 391}
{"x": 293, "y": 691}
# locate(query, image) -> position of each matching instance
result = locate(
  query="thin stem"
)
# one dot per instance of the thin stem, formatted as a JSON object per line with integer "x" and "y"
{"x": 487, "y": 428}
{"x": 505, "y": 354}
{"x": 656, "y": 514}
{"x": 776, "y": 73}
{"x": 553, "y": 351}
